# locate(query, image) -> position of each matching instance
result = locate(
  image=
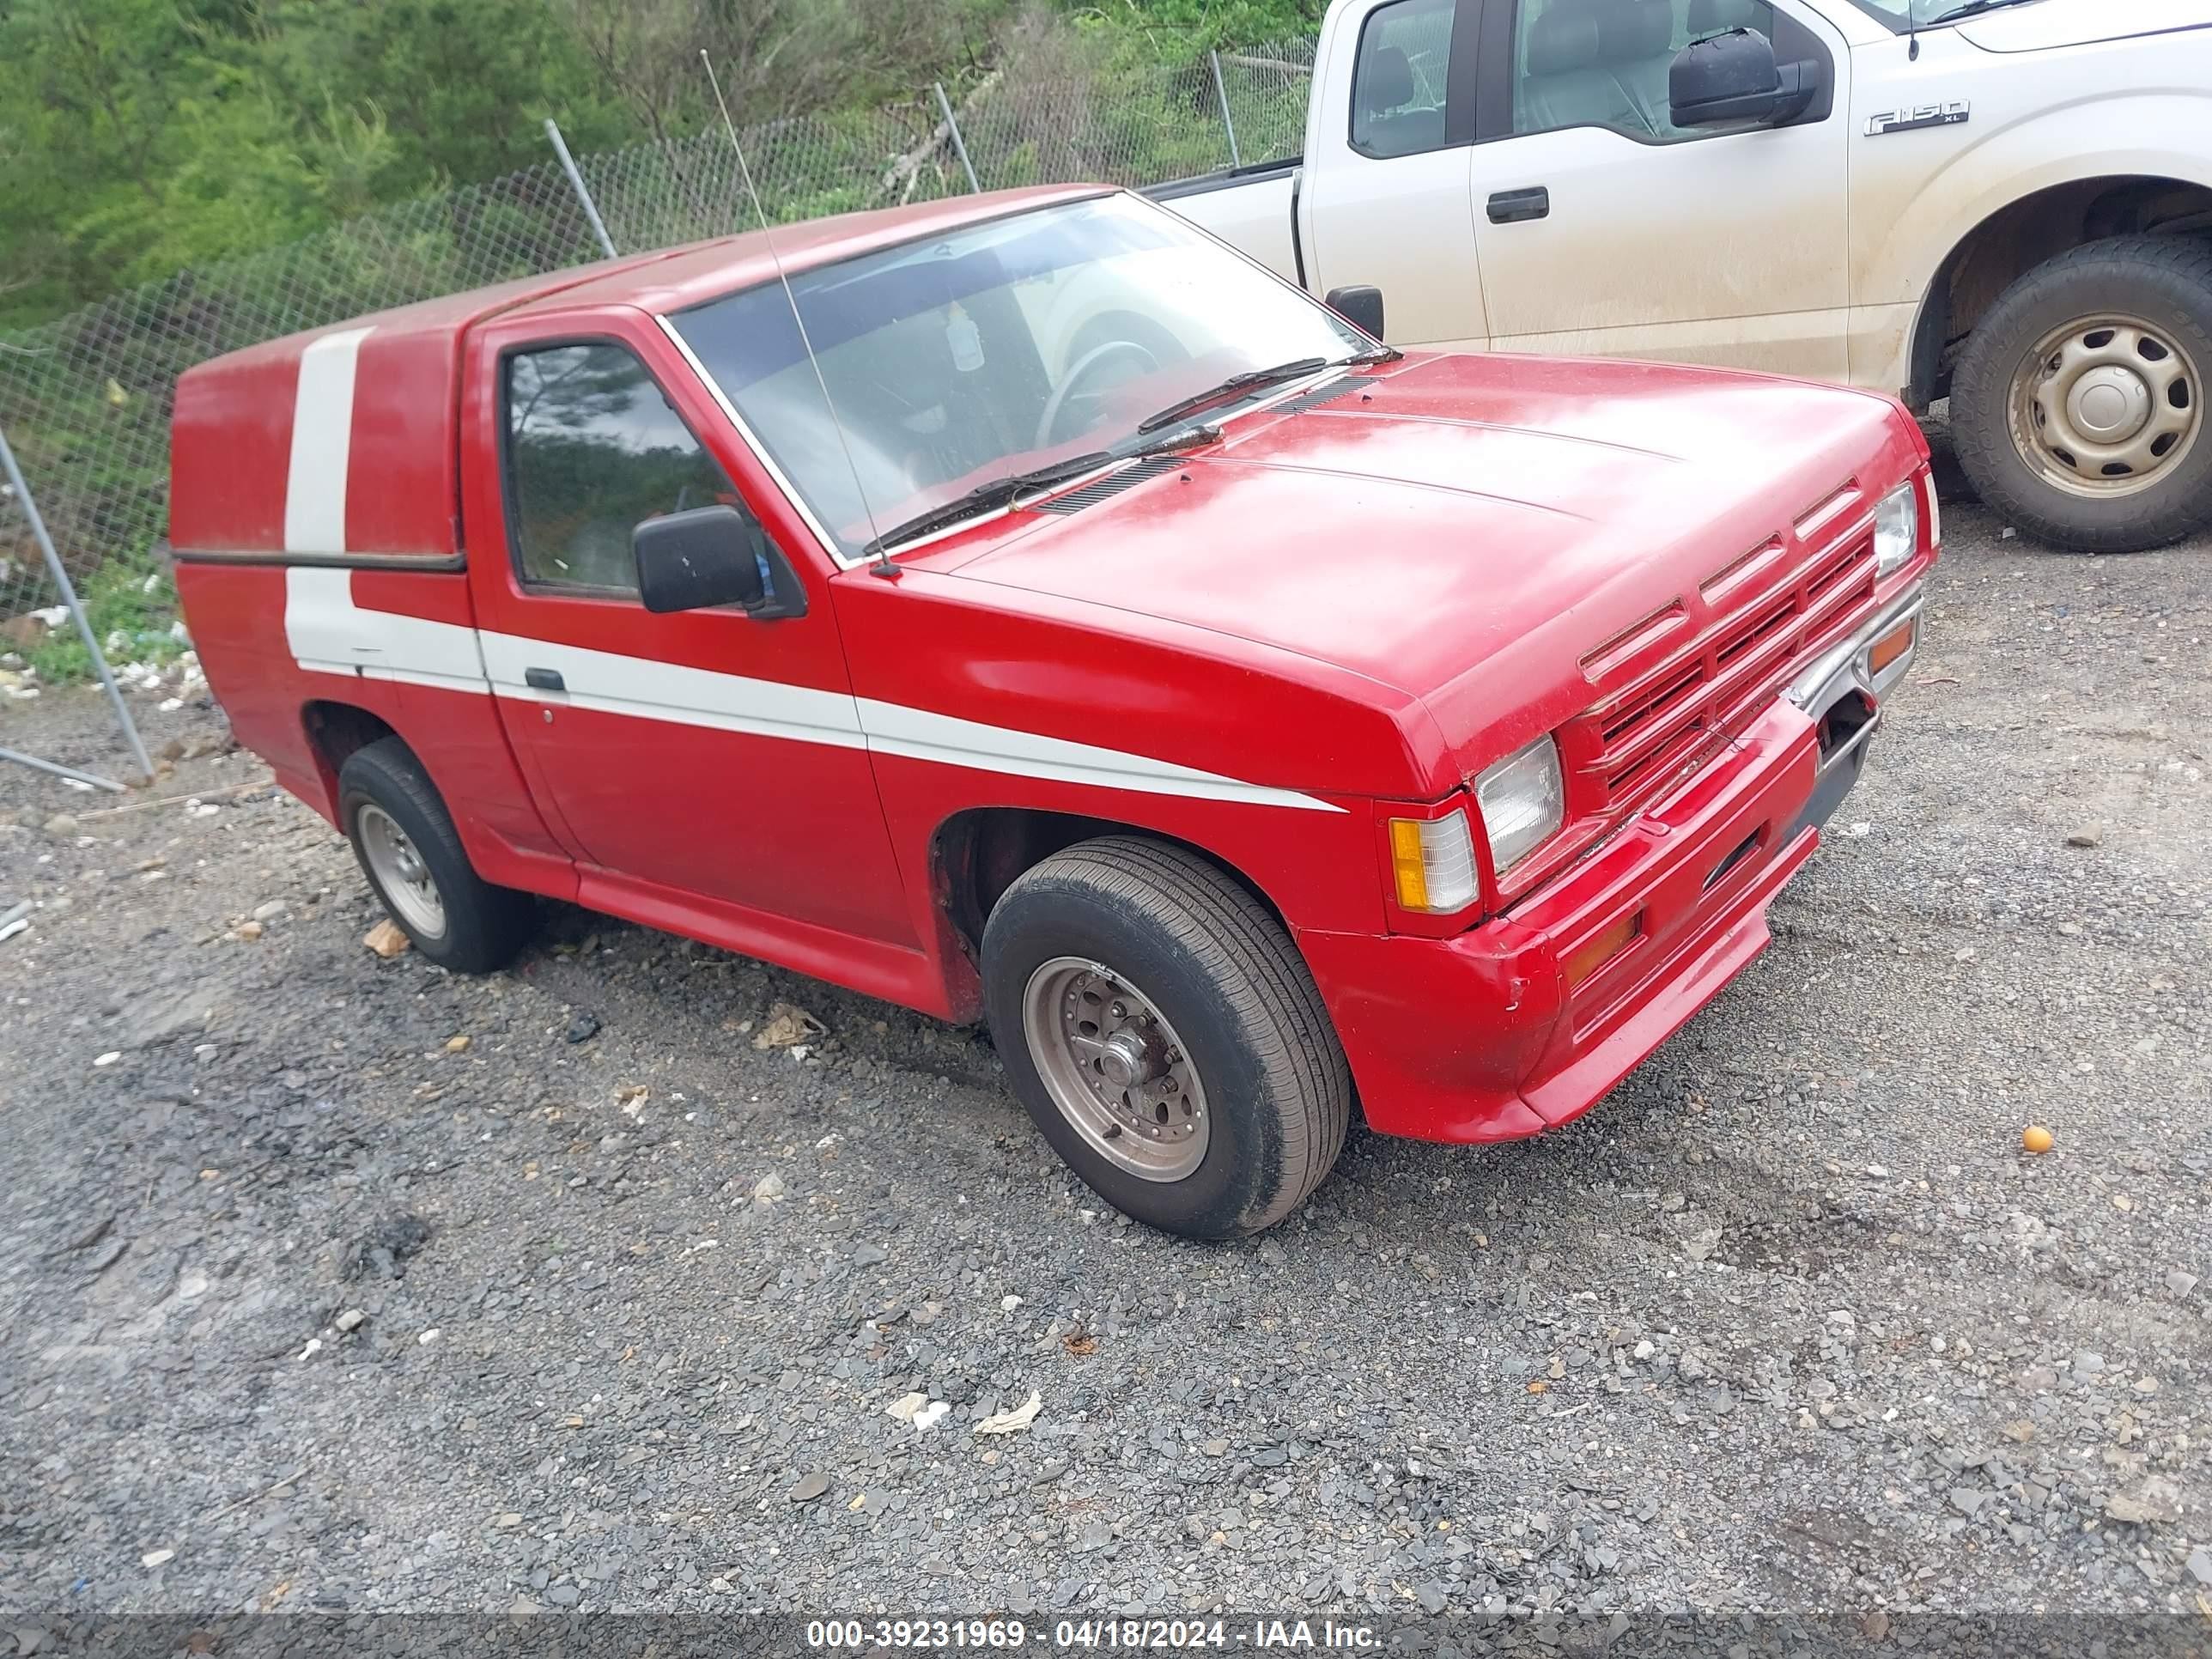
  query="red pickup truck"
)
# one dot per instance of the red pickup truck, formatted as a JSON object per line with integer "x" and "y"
{"x": 1058, "y": 619}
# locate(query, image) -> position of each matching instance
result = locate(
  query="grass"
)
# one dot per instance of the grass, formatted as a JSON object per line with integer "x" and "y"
{"x": 133, "y": 596}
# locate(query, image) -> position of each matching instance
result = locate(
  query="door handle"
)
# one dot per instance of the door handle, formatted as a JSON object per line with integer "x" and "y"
{"x": 1512, "y": 206}
{"x": 544, "y": 679}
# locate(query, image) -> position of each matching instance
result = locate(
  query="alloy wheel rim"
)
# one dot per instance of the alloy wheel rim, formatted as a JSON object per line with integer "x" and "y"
{"x": 1116, "y": 1069}
{"x": 401, "y": 874}
{"x": 2106, "y": 406}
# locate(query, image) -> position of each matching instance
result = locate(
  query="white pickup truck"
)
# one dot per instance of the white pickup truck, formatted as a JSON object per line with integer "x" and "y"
{"x": 2007, "y": 203}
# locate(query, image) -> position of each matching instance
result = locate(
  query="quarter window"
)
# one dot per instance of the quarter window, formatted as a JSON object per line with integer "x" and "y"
{"x": 593, "y": 449}
{"x": 1398, "y": 78}
{"x": 1605, "y": 63}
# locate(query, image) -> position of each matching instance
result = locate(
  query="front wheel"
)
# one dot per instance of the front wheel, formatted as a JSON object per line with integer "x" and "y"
{"x": 1164, "y": 1034}
{"x": 2078, "y": 405}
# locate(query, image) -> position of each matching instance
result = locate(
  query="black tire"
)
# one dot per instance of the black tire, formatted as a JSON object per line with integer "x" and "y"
{"x": 484, "y": 924}
{"x": 1227, "y": 979}
{"x": 2165, "y": 281}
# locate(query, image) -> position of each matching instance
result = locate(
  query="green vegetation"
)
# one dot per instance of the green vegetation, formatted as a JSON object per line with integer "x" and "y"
{"x": 133, "y": 598}
{"x": 143, "y": 138}
{"x": 188, "y": 177}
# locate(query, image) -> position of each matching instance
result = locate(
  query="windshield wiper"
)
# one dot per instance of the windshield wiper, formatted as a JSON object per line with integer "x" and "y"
{"x": 1003, "y": 492}
{"x": 1967, "y": 8}
{"x": 1229, "y": 388}
{"x": 1258, "y": 376}
{"x": 997, "y": 492}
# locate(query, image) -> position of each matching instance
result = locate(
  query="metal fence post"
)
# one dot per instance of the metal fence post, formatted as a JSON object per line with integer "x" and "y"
{"x": 959, "y": 148}
{"x": 577, "y": 182}
{"x": 1221, "y": 91}
{"x": 68, "y": 590}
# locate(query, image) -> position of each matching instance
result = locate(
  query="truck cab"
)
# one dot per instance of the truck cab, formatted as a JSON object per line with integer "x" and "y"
{"x": 2003, "y": 205}
{"x": 1025, "y": 609}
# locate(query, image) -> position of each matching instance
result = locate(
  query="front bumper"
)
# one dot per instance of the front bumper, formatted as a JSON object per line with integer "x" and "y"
{"x": 1489, "y": 1036}
{"x": 1482, "y": 1036}
{"x": 1843, "y": 692}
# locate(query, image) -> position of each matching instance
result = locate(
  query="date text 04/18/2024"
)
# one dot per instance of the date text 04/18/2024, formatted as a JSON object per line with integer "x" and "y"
{"x": 1089, "y": 1633}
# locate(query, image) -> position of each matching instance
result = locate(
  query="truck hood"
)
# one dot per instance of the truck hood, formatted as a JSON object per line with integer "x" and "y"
{"x": 2048, "y": 23}
{"x": 1463, "y": 529}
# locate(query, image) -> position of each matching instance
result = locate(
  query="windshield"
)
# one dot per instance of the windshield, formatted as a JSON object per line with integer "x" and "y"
{"x": 1925, "y": 14}
{"x": 1002, "y": 347}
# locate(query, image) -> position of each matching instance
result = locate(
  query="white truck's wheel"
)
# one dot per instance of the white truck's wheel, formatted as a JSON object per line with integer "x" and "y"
{"x": 2078, "y": 405}
{"x": 1165, "y": 1035}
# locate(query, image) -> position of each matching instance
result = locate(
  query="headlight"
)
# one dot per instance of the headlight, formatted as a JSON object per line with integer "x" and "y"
{"x": 1433, "y": 860}
{"x": 1523, "y": 802}
{"x": 1897, "y": 528}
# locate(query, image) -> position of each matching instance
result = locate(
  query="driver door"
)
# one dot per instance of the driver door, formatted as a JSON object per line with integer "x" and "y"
{"x": 698, "y": 756}
{"x": 1605, "y": 230}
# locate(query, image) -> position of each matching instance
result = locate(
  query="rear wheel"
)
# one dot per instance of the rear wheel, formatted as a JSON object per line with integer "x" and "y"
{"x": 1164, "y": 1034}
{"x": 2078, "y": 405}
{"x": 409, "y": 849}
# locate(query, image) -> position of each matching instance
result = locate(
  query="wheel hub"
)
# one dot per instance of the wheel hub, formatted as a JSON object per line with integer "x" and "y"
{"x": 2109, "y": 403}
{"x": 401, "y": 876}
{"x": 2106, "y": 406}
{"x": 1116, "y": 1068}
{"x": 1130, "y": 1058}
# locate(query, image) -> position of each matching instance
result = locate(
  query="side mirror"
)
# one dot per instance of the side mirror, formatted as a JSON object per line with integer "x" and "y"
{"x": 710, "y": 556}
{"x": 1726, "y": 79}
{"x": 1361, "y": 306}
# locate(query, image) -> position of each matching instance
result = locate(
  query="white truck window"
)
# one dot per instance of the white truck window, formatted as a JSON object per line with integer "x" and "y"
{"x": 1605, "y": 63}
{"x": 1398, "y": 78}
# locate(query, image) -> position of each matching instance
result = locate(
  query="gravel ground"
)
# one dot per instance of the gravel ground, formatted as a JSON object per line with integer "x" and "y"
{"x": 337, "y": 1282}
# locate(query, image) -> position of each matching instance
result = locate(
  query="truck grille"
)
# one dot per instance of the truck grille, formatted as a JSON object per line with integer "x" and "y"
{"x": 1758, "y": 617}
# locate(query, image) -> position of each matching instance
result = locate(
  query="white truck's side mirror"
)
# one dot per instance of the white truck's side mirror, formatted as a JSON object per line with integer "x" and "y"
{"x": 1732, "y": 78}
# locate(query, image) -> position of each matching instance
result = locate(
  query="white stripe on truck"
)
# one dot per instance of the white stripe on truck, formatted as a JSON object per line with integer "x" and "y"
{"x": 328, "y": 634}
{"x": 322, "y": 445}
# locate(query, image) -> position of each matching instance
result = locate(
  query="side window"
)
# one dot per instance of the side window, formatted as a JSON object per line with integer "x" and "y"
{"x": 592, "y": 448}
{"x": 1398, "y": 78}
{"x": 1605, "y": 63}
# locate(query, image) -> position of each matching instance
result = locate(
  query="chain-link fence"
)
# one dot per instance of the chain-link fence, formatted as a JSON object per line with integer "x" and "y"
{"x": 86, "y": 397}
{"x": 47, "y": 630}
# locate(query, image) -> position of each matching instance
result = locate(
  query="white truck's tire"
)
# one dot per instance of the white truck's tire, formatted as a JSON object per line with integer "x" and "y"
{"x": 2078, "y": 406}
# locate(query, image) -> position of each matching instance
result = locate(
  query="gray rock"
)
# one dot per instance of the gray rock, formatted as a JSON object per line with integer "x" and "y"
{"x": 2181, "y": 1284}
{"x": 809, "y": 1488}
{"x": 870, "y": 1255}
{"x": 107, "y": 1255}
{"x": 2199, "y": 1565}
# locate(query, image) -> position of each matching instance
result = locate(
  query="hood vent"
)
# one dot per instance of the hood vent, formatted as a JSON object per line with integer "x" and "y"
{"x": 1112, "y": 484}
{"x": 1329, "y": 392}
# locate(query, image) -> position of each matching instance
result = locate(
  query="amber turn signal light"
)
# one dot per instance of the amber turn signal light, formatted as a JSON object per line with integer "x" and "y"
{"x": 1890, "y": 647}
{"x": 1432, "y": 862}
{"x": 1594, "y": 952}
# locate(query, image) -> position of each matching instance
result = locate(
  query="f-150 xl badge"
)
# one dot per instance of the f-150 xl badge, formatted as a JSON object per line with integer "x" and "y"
{"x": 1920, "y": 115}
